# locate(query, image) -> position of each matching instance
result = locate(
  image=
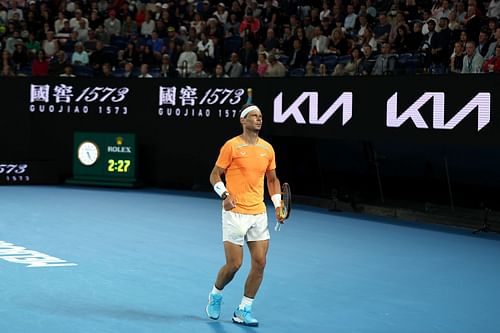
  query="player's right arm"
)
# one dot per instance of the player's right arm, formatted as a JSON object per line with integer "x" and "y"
{"x": 216, "y": 177}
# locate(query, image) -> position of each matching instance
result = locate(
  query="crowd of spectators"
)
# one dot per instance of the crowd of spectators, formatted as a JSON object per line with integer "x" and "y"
{"x": 248, "y": 38}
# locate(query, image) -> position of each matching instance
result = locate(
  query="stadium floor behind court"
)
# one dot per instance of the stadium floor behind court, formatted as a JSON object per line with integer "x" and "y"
{"x": 146, "y": 260}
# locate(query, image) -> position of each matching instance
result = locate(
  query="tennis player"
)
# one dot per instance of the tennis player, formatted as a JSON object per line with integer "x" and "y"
{"x": 244, "y": 161}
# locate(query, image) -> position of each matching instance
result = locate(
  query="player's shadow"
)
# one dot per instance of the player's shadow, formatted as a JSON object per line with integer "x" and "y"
{"x": 107, "y": 310}
{"x": 218, "y": 326}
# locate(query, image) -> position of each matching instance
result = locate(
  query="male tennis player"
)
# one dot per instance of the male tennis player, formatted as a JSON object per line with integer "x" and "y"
{"x": 244, "y": 161}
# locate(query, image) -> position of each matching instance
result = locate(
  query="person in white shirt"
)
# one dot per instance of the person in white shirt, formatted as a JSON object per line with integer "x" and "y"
{"x": 80, "y": 56}
{"x": 74, "y": 22}
{"x": 350, "y": 19}
{"x": 145, "y": 72}
{"x": 187, "y": 59}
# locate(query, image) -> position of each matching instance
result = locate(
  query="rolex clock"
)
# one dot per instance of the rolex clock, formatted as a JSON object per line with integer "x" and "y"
{"x": 88, "y": 153}
{"x": 107, "y": 159}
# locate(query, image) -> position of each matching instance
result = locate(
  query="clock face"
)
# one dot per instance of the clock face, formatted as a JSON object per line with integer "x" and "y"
{"x": 88, "y": 153}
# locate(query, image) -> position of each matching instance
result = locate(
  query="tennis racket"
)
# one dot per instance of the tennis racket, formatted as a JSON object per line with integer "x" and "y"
{"x": 286, "y": 203}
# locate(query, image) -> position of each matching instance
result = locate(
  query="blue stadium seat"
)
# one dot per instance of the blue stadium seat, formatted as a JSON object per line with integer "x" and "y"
{"x": 344, "y": 59}
{"x": 83, "y": 71}
{"x": 232, "y": 44}
{"x": 297, "y": 72}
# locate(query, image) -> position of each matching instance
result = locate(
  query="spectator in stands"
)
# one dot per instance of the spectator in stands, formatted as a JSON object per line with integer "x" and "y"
{"x": 275, "y": 68}
{"x": 221, "y": 13}
{"x": 472, "y": 23}
{"x": 232, "y": 26}
{"x": 219, "y": 72}
{"x": 198, "y": 24}
{"x": 453, "y": 24}
{"x": 248, "y": 55}
{"x": 483, "y": 42}
{"x": 473, "y": 61}
{"x": 95, "y": 20}
{"x": 128, "y": 70}
{"x": 368, "y": 61}
{"x": 322, "y": 71}
{"x": 68, "y": 71}
{"x": 262, "y": 63}
{"x": 319, "y": 43}
{"x": 50, "y": 45}
{"x": 271, "y": 43}
{"x": 75, "y": 22}
{"x": 19, "y": 56}
{"x": 32, "y": 45}
{"x": 7, "y": 71}
{"x": 338, "y": 44}
{"x": 493, "y": 45}
{"x": 415, "y": 38}
{"x": 385, "y": 63}
{"x": 106, "y": 71}
{"x": 166, "y": 68}
{"x": 233, "y": 67}
{"x": 129, "y": 27}
{"x": 187, "y": 59}
{"x": 69, "y": 44}
{"x": 112, "y": 25}
{"x": 146, "y": 56}
{"x": 350, "y": 19}
{"x": 198, "y": 71}
{"x": 156, "y": 44}
{"x": 368, "y": 38}
{"x": 400, "y": 21}
{"x": 382, "y": 29}
{"x": 492, "y": 65}
{"x": 249, "y": 28}
{"x": 309, "y": 71}
{"x": 494, "y": 9}
{"x": 206, "y": 50}
{"x": 102, "y": 35}
{"x": 352, "y": 67}
{"x": 440, "y": 52}
{"x": 56, "y": 66}
{"x": 80, "y": 57}
{"x": 304, "y": 41}
{"x": 98, "y": 57}
{"x": 59, "y": 23}
{"x": 457, "y": 59}
{"x": 14, "y": 10}
{"x": 298, "y": 57}
{"x": 83, "y": 32}
{"x": 144, "y": 72}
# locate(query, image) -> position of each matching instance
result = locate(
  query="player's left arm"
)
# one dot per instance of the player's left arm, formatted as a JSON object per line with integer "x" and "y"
{"x": 274, "y": 187}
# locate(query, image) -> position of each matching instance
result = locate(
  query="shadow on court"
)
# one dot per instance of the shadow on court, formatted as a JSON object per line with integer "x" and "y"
{"x": 119, "y": 312}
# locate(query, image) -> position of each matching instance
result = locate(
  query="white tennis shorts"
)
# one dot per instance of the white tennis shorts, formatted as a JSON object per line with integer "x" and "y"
{"x": 238, "y": 228}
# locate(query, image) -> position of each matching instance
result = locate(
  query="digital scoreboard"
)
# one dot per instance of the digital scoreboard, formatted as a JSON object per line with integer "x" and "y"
{"x": 107, "y": 159}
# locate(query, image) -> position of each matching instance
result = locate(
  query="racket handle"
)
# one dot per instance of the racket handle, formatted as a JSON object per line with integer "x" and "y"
{"x": 277, "y": 227}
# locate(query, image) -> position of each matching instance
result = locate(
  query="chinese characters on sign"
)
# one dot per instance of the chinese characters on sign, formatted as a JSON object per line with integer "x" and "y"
{"x": 64, "y": 98}
{"x": 189, "y": 102}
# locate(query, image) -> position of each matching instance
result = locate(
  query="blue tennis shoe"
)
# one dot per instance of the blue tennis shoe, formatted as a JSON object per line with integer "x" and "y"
{"x": 213, "y": 306}
{"x": 244, "y": 317}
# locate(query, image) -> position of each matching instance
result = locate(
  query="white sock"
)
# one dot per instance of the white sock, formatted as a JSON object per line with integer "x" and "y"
{"x": 216, "y": 291}
{"x": 246, "y": 301}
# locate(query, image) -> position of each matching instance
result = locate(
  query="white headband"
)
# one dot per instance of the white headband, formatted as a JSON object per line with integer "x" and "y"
{"x": 247, "y": 110}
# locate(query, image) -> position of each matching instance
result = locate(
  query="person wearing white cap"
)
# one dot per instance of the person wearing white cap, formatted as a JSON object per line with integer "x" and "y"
{"x": 221, "y": 13}
{"x": 244, "y": 161}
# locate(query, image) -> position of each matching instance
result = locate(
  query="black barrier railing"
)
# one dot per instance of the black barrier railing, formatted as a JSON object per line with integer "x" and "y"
{"x": 424, "y": 138}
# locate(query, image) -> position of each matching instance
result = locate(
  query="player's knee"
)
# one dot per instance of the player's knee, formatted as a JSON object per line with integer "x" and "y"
{"x": 233, "y": 266}
{"x": 259, "y": 263}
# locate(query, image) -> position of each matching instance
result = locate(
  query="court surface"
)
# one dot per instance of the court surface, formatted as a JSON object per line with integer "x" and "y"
{"x": 146, "y": 260}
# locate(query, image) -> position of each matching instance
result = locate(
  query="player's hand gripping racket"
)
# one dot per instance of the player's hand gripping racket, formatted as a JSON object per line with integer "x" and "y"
{"x": 286, "y": 204}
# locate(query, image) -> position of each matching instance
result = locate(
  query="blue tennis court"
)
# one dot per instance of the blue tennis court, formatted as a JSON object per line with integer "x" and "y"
{"x": 113, "y": 260}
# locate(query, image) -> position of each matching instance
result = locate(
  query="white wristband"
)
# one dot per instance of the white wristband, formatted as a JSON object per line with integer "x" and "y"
{"x": 220, "y": 188}
{"x": 276, "y": 198}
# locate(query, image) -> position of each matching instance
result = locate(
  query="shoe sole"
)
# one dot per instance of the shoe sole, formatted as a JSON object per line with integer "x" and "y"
{"x": 238, "y": 321}
{"x": 213, "y": 318}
